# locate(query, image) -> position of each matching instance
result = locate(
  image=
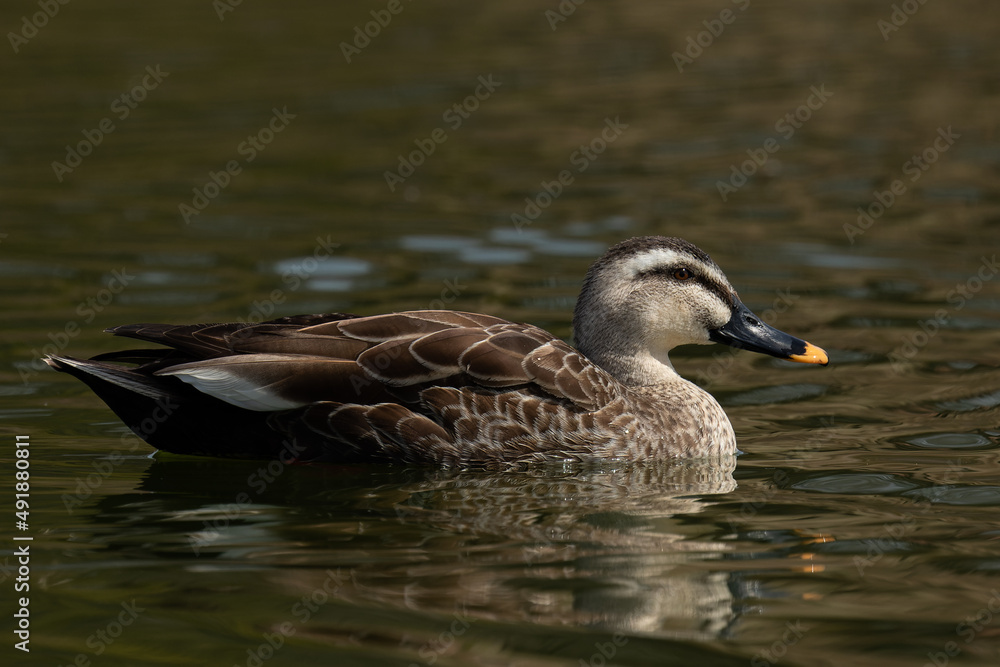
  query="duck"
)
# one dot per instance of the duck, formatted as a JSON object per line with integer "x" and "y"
{"x": 449, "y": 388}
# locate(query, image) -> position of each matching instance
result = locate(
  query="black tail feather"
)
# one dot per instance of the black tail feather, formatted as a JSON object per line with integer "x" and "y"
{"x": 173, "y": 416}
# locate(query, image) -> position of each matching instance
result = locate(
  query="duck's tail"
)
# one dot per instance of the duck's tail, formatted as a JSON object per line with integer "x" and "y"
{"x": 172, "y": 416}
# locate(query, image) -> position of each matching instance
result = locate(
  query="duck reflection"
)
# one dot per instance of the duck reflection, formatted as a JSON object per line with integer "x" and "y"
{"x": 609, "y": 546}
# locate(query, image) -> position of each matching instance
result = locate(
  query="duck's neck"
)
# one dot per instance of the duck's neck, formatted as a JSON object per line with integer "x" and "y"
{"x": 636, "y": 368}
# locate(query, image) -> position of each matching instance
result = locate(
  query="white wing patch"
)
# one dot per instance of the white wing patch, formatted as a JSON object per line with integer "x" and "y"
{"x": 223, "y": 384}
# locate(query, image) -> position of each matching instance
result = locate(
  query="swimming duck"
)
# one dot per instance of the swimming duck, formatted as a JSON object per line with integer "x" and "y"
{"x": 450, "y": 388}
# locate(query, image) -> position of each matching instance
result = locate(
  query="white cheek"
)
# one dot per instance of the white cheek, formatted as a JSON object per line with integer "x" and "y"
{"x": 683, "y": 322}
{"x": 676, "y": 326}
{"x": 720, "y": 314}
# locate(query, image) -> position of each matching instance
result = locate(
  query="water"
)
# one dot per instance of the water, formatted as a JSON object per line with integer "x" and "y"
{"x": 859, "y": 524}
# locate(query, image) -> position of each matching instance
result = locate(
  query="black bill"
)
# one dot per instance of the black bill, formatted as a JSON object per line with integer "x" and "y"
{"x": 746, "y": 331}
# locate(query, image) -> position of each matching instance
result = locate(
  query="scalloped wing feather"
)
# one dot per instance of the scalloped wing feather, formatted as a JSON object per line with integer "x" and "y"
{"x": 421, "y": 386}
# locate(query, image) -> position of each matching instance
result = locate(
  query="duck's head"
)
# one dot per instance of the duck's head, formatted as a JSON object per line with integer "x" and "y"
{"x": 650, "y": 294}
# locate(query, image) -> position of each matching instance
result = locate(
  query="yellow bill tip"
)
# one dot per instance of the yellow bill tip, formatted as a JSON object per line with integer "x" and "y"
{"x": 811, "y": 355}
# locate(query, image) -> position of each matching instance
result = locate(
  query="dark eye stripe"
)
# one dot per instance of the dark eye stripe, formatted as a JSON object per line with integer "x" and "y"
{"x": 720, "y": 290}
{"x": 717, "y": 288}
{"x": 665, "y": 271}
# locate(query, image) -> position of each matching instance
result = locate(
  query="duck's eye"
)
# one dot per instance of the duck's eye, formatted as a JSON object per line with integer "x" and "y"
{"x": 682, "y": 274}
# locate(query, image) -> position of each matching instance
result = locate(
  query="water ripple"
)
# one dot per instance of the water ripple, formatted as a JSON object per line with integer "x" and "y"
{"x": 855, "y": 484}
{"x": 990, "y": 400}
{"x": 782, "y": 393}
{"x": 950, "y": 441}
{"x": 958, "y": 494}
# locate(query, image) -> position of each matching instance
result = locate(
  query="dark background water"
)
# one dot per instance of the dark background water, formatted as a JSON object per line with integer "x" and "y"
{"x": 859, "y": 527}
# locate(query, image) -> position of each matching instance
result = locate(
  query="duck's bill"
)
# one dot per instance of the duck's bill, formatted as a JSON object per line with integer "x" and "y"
{"x": 746, "y": 332}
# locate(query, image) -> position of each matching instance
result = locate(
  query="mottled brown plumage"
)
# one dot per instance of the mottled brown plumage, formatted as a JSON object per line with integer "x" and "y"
{"x": 449, "y": 388}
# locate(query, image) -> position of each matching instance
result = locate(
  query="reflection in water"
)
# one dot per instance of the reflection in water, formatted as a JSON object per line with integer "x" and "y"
{"x": 601, "y": 547}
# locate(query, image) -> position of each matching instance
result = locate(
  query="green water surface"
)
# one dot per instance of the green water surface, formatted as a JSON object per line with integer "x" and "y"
{"x": 221, "y": 161}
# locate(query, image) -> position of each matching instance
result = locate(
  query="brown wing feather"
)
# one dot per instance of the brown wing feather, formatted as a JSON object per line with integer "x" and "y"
{"x": 456, "y": 318}
{"x": 442, "y": 349}
{"x": 394, "y": 364}
{"x": 386, "y": 429}
{"x": 562, "y": 371}
{"x": 200, "y": 340}
{"x": 498, "y": 361}
{"x": 382, "y": 328}
{"x": 404, "y": 350}
{"x": 214, "y": 340}
{"x": 435, "y": 356}
{"x": 425, "y": 385}
{"x": 295, "y": 342}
